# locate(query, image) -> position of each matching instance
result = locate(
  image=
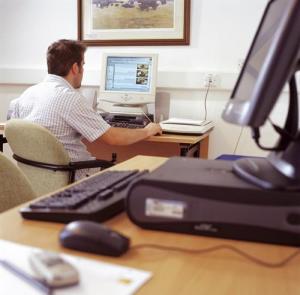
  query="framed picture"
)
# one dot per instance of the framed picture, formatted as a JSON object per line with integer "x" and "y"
{"x": 134, "y": 22}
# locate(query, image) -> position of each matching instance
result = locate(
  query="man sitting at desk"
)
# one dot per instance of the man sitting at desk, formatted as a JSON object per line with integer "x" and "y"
{"x": 57, "y": 105}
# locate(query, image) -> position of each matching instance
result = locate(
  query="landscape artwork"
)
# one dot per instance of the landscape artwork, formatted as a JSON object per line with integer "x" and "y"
{"x": 131, "y": 14}
{"x": 134, "y": 22}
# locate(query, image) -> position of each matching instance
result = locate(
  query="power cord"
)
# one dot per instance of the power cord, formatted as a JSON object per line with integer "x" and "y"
{"x": 255, "y": 133}
{"x": 281, "y": 145}
{"x": 238, "y": 141}
{"x": 282, "y": 132}
{"x": 242, "y": 253}
{"x": 146, "y": 115}
{"x": 205, "y": 99}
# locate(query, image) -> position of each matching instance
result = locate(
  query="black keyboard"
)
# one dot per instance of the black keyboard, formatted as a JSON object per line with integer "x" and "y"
{"x": 127, "y": 120}
{"x": 96, "y": 198}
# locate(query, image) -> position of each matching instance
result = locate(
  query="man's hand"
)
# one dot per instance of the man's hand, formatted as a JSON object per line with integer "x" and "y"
{"x": 125, "y": 136}
{"x": 154, "y": 129}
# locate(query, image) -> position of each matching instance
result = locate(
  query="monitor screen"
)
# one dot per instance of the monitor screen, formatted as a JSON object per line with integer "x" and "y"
{"x": 129, "y": 78}
{"x": 271, "y": 60}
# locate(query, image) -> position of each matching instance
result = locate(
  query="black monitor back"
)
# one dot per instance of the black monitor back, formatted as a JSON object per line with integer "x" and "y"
{"x": 271, "y": 61}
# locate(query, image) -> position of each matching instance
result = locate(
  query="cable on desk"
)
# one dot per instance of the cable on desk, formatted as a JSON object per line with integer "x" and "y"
{"x": 205, "y": 99}
{"x": 244, "y": 254}
{"x": 238, "y": 141}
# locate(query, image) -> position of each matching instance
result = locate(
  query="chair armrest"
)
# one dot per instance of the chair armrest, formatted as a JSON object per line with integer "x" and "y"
{"x": 72, "y": 166}
{"x": 91, "y": 164}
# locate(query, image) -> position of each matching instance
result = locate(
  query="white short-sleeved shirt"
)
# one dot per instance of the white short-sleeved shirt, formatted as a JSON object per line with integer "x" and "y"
{"x": 56, "y": 105}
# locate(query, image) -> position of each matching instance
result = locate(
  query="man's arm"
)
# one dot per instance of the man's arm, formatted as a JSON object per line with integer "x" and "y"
{"x": 12, "y": 110}
{"x": 124, "y": 136}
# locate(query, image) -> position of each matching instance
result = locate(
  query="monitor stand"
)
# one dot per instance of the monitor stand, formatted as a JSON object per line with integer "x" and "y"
{"x": 281, "y": 170}
{"x": 263, "y": 172}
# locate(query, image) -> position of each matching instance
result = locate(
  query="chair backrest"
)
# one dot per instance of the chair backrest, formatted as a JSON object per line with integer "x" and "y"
{"x": 34, "y": 142}
{"x": 14, "y": 186}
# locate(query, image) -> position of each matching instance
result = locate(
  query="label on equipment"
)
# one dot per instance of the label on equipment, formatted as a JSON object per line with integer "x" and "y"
{"x": 165, "y": 208}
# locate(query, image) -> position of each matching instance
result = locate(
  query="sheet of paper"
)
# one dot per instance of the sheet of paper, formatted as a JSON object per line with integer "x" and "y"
{"x": 95, "y": 277}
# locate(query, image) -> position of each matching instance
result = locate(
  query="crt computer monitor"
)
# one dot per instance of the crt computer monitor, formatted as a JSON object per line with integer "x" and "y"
{"x": 128, "y": 78}
{"x": 272, "y": 60}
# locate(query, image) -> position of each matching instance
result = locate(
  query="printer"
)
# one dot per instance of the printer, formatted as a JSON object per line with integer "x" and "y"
{"x": 186, "y": 126}
{"x": 205, "y": 197}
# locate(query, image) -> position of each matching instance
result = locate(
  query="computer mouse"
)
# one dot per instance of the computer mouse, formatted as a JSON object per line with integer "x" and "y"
{"x": 89, "y": 236}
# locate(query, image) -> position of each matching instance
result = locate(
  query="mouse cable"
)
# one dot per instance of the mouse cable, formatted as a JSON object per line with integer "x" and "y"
{"x": 249, "y": 257}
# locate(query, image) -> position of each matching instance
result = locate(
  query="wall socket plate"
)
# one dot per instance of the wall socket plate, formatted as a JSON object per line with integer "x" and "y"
{"x": 211, "y": 80}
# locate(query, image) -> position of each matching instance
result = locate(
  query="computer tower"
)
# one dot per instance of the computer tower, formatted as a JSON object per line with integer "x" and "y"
{"x": 205, "y": 197}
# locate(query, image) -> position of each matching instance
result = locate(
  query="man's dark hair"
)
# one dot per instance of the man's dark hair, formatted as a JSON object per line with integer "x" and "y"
{"x": 62, "y": 54}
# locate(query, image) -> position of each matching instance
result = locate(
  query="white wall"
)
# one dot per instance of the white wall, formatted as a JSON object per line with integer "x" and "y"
{"x": 221, "y": 32}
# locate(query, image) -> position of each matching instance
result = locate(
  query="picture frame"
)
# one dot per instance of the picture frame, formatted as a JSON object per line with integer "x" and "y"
{"x": 134, "y": 22}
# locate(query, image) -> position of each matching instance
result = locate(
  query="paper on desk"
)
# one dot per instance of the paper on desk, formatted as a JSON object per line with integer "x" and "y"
{"x": 95, "y": 277}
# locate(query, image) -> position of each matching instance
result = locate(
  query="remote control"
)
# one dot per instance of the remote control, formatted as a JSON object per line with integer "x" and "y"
{"x": 52, "y": 269}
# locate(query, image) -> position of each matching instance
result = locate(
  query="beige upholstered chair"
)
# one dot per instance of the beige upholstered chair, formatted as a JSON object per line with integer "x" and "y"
{"x": 42, "y": 157}
{"x": 14, "y": 186}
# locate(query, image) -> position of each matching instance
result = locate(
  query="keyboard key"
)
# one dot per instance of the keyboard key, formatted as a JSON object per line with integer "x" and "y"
{"x": 105, "y": 194}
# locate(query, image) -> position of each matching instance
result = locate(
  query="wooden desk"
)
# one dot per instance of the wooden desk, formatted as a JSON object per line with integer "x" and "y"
{"x": 166, "y": 145}
{"x": 220, "y": 272}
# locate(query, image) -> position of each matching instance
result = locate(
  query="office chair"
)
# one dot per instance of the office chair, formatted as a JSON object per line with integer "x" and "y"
{"x": 14, "y": 186}
{"x": 42, "y": 158}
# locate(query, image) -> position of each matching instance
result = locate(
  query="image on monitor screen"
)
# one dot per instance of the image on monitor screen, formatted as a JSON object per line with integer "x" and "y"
{"x": 128, "y": 78}
{"x": 272, "y": 61}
